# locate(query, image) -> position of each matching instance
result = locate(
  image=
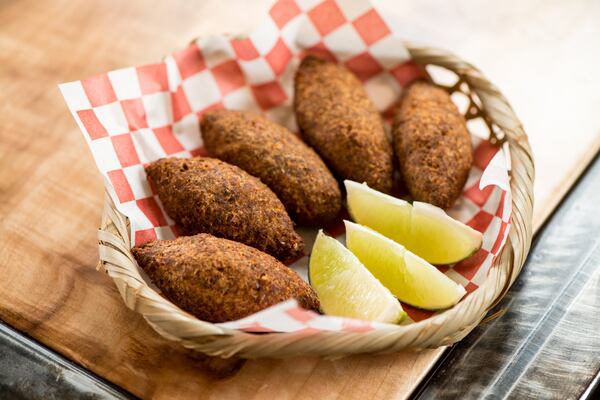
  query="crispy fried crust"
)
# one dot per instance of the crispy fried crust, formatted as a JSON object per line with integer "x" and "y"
{"x": 220, "y": 280}
{"x": 432, "y": 145}
{"x": 339, "y": 120}
{"x": 279, "y": 158}
{"x": 205, "y": 195}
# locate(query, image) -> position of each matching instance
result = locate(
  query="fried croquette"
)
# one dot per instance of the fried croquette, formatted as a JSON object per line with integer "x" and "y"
{"x": 220, "y": 280}
{"x": 206, "y": 195}
{"x": 432, "y": 144}
{"x": 280, "y": 159}
{"x": 338, "y": 119}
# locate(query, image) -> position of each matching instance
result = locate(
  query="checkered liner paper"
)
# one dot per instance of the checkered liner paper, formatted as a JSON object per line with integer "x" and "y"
{"x": 133, "y": 116}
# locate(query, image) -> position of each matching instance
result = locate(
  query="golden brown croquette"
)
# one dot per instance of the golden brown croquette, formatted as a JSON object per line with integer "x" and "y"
{"x": 279, "y": 158}
{"x": 220, "y": 280}
{"x": 432, "y": 144}
{"x": 338, "y": 119}
{"x": 206, "y": 195}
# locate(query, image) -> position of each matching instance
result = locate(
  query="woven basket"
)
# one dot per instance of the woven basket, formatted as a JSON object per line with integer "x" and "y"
{"x": 446, "y": 328}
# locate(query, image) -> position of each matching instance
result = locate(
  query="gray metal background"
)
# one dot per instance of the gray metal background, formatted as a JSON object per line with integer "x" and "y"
{"x": 547, "y": 345}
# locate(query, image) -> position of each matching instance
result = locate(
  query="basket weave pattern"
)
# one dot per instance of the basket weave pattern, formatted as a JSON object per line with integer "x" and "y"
{"x": 442, "y": 329}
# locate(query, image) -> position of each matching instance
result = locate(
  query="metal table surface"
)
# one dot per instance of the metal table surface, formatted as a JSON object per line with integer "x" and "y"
{"x": 545, "y": 345}
{"x": 28, "y": 370}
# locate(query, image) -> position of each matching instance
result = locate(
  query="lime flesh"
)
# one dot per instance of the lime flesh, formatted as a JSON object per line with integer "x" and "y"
{"x": 422, "y": 228}
{"x": 346, "y": 288}
{"x": 410, "y": 278}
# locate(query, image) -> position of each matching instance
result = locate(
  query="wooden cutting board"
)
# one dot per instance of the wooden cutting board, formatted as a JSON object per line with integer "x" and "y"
{"x": 543, "y": 55}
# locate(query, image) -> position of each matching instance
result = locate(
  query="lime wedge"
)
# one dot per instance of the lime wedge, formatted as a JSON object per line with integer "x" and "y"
{"x": 346, "y": 288}
{"x": 422, "y": 228}
{"x": 410, "y": 278}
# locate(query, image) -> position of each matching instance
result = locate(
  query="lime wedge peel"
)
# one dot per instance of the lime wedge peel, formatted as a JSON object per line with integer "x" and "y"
{"x": 422, "y": 228}
{"x": 346, "y": 288}
{"x": 410, "y": 278}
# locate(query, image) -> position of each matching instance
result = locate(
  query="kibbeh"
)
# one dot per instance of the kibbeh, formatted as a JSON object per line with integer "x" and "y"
{"x": 338, "y": 119}
{"x": 432, "y": 144}
{"x": 279, "y": 158}
{"x": 220, "y": 280}
{"x": 206, "y": 195}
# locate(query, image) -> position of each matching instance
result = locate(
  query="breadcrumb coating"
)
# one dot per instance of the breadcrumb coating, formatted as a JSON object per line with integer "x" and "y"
{"x": 432, "y": 144}
{"x": 206, "y": 195}
{"x": 280, "y": 159}
{"x": 220, "y": 280}
{"x": 338, "y": 119}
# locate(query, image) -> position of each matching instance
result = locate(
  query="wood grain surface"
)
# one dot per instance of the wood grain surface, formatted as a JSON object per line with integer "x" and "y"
{"x": 51, "y": 194}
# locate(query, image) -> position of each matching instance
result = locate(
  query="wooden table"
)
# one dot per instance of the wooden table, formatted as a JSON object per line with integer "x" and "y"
{"x": 543, "y": 55}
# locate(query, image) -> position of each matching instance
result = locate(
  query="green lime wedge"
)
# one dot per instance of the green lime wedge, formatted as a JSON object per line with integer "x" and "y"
{"x": 346, "y": 288}
{"x": 422, "y": 228}
{"x": 410, "y": 278}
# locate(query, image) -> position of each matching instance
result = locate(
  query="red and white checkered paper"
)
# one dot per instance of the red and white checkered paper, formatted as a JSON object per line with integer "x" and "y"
{"x": 133, "y": 116}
